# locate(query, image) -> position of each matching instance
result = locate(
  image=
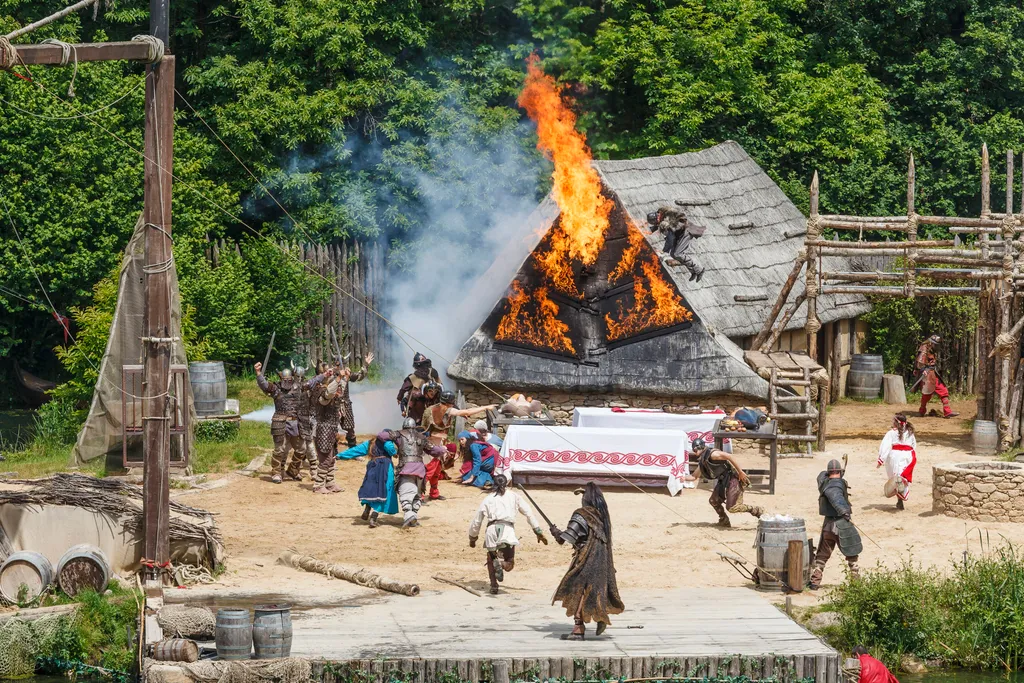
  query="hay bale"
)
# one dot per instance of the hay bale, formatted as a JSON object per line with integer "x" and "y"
{"x": 183, "y": 621}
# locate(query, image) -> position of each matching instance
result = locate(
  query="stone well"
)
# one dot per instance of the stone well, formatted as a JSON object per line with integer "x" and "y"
{"x": 990, "y": 491}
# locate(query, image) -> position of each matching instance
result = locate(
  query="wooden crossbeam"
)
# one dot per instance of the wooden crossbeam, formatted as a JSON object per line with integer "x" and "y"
{"x": 49, "y": 53}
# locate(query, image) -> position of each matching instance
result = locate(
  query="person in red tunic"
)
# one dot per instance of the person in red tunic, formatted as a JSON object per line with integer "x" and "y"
{"x": 931, "y": 383}
{"x": 872, "y": 670}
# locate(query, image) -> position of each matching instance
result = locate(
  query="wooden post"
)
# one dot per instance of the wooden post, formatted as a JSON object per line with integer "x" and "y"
{"x": 823, "y": 393}
{"x": 780, "y": 302}
{"x": 1005, "y": 299}
{"x": 986, "y": 196}
{"x": 795, "y": 568}
{"x": 156, "y": 426}
{"x": 811, "y": 288}
{"x": 910, "y": 274}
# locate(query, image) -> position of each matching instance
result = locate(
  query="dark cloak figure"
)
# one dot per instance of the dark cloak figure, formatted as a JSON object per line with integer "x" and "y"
{"x": 588, "y": 591}
{"x": 679, "y": 234}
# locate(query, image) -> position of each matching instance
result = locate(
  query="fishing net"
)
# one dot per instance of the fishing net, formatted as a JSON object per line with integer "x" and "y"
{"x": 22, "y": 641}
{"x": 111, "y": 407}
{"x": 181, "y": 621}
{"x": 290, "y": 670}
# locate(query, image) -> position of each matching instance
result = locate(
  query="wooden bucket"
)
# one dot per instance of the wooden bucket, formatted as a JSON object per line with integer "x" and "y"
{"x": 83, "y": 567}
{"x": 773, "y": 559}
{"x": 176, "y": 650}
{"x": 864, "y": 380}
{"x": 984, "y": 438}
{"x": 272, "y": 631}
{"x": 28, "y": 569}
{"x": 234, "y": 634}
{"x": 209, "y": 387}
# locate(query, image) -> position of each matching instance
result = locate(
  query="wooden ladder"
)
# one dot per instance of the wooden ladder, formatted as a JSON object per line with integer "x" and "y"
{"x": 806, "y": 413}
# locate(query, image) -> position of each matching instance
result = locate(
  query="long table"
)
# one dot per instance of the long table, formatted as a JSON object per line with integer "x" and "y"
{"x": 623, "y": 457}
{"x": 695, "y": 425}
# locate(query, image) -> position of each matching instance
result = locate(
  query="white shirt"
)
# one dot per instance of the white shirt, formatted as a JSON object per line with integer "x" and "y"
{"x": 896, "y": 461}
{"x": 501, "y": 510}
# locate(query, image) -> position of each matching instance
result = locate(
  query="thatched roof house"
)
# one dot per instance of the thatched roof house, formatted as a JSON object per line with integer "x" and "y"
{"x": 752, "y": 237}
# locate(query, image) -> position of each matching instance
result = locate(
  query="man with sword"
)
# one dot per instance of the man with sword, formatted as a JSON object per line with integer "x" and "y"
{"x": 498, "y": 510}
{"x": 929, "y": 380}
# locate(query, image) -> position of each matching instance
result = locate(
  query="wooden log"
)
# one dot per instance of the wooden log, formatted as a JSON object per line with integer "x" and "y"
{"x": 458, "y": 585}
{"x": 899, "y": 291}
{"x": 895, "y": 390}
{"x": 1018, "y": 387}
{"x": 911, "y": 177}
{"x": 828, "y": 245}
{"x": 780, "y": 302}
{"x": 873, "y": 276}
{"x": 359, "y": 576}
{"x": 861, "y": 225}
{"x": 38, "y": 613}
{"x": 823, "y": 394}
{"x": 769, "y": 343}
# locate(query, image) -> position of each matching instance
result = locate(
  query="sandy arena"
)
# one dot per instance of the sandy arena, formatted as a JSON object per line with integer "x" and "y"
{"x": 661, "y": 542}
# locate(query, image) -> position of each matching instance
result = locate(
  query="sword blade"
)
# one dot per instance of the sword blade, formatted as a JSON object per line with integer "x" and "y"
{"x": 270, "y": 347}
{"x": 534, "y": 503}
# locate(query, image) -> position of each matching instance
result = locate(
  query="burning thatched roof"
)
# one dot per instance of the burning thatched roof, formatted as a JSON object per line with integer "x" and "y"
{"x": 753, "y": 233}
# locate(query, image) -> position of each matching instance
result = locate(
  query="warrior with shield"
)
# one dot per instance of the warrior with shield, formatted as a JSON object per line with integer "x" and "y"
{"x": 836, "y": 529}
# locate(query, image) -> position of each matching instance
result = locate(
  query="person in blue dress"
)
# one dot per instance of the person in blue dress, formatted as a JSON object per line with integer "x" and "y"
{"x": 377, "y": 493}
{"x": 479, "y": 458}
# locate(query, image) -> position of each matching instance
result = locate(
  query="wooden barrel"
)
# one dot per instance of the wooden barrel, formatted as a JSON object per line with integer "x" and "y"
{"x": 234, "y": 634}
{"x": 272, "y": 631}
{"x": 176, "y": 650}
{"x": 209, "y": 387}
{"x": 772, "y": 542}
{"x": 984, "y": 438}
{"x": 24, "y": 576}
{"x": 83, "y": 567}
{"x": 865, "y": 378}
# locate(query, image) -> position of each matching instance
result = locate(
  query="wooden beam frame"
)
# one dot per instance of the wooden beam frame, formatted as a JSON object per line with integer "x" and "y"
{"x": 49, "y": 53}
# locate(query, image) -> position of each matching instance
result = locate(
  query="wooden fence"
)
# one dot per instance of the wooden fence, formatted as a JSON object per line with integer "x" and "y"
{"x": 353, "y": 267}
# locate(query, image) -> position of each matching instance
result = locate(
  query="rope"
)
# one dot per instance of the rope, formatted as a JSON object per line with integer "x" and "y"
{"x": 76, "y": 116}
{"x": 8, "y": 53}
{"x": 813, "y": 227}
{"x": 156, "y": 47}
{"x": 67, "y": 50}
{"x": 383, "y": 318}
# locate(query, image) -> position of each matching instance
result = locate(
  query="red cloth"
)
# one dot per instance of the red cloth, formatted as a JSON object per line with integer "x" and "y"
{"x": 435, "y": 472}
{"x": 873, "y": 671}
{"x": 908, "y": 472}
{"x": 943, "y": 394}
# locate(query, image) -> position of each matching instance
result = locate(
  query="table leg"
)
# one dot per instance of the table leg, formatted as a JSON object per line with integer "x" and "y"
{"x": 773, "y": 467}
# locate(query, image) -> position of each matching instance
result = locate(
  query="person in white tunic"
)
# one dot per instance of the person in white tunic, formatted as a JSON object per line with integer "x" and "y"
{"x": 498, "y": 511}
{"x": 898, "y": 453}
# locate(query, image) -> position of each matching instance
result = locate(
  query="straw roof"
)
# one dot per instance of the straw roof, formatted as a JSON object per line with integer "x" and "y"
{"x": 749, "y": 262}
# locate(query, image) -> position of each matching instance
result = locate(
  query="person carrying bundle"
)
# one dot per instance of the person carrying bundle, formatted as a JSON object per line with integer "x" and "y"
{"x": 898, "y": 452}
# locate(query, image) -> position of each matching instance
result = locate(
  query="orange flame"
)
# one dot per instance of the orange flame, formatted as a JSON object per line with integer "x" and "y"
{"x": 658, "y": 307}
{"x": 577, "y": 187}
{"x": 629, "y": 255}
{"x": 540, "y": 328}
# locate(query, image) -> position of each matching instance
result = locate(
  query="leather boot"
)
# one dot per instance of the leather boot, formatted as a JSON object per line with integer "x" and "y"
{"x": 579, "y": 631}
{"x": 816, "y": 574}
{"x": 923, "y": 410}
{"x": 723, "y": 521}
{"x": 947, "y": 411}
{"x": 854, "y": 570}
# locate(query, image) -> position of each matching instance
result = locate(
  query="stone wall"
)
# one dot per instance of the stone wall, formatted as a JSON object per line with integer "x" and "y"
{"x": 562, "y": 405}
{"x": 982, "y": 491}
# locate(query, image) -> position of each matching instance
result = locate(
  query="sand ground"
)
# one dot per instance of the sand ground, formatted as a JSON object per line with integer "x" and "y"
{"x": 660, "y": 541}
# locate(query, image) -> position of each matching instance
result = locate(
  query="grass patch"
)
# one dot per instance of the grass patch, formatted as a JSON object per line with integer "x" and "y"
{"x": 249, "y": 396}
{"x": 219, "y": 456}
{"x": 971, "y": 618}
{"x": 40, "y": 459}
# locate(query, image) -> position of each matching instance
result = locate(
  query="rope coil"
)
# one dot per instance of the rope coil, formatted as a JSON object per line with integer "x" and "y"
{"x": 813, "y": 227}
{"x": 8, "y": 53}
{"x": 67, "y": 51}
{"x": 156, "y": 47}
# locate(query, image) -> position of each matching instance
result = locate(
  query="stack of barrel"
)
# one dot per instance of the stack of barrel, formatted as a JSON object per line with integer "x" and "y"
{"x": 26, "y": 575}
{"x": 269, "y": 632}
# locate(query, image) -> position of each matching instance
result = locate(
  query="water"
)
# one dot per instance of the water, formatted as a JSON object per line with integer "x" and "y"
{"x": 963, "y": 677}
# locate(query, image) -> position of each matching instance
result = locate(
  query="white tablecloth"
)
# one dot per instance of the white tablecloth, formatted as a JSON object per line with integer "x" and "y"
{"x": 700, "y": 424}
{"x": 583, "y": 450}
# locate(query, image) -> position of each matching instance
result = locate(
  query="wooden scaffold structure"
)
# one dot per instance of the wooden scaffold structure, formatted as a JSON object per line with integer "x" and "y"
{"x": 991, "y": 269}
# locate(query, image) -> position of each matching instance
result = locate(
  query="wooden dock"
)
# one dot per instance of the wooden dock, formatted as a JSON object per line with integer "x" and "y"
{"x": 705, "y": 633}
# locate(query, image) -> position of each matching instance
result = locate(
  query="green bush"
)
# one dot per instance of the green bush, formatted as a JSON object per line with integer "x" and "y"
{"x": 972, "y": 617}
{"x": 213, "y": 431}
{"x": 57, "y": 422}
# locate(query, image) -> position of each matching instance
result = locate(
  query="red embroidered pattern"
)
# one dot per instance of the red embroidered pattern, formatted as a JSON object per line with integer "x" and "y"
{"x": 663, "y": 460}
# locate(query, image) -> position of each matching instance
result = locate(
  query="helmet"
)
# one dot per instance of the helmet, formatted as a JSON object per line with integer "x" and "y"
{"x": 480, "y": 425}
{"x": 410, "y": 423}
{"x": 300, "y": 372}
{"x": 652, "y": 218}
{"x": 834, "y": 466}
{"x": 419, "y": 359}
{"x": 286, "y": 373}
{"x": 432, "y": 387}
{"x": 698, "y": 445}
{"x": 448, "y": 397}
{"x": 935, "y": 339}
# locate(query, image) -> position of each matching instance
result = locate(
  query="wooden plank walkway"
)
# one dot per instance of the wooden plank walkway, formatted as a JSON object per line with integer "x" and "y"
{"x": 701, "y": 632}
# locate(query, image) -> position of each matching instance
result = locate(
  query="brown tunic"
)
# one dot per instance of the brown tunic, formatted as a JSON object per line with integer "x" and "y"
{"x": 589, "y": 589}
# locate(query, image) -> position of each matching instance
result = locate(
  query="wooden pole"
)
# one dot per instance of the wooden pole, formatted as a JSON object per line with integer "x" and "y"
{"x": 986, "y": 196}
{"x": 156, "y": 428}
{"x": 769, "y": 343}
{"x": 1005, "y": 299}
{"x": 779, "y": 303}
{"x": 795, "y": 566}
{"x": 900, "y": 291}
{"x": 811, "y": 288}
{"x": 1018, "y": 387}
{"x": 360, "y": 576}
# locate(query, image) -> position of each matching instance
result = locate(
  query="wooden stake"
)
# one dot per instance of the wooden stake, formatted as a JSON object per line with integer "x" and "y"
{"x": 811, "y": 287}
{"x": 911, "y": 177}
{"x": 986, "y": 196}
{"x": 779, "y": 303}
{"x": 1018, "y": 387}
{"x": 769, "y": 343}
{"x": 458, "y": 585}
{"x": 1009, "y": 182}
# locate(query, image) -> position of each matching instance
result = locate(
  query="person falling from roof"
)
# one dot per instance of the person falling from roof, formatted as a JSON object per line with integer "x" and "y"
{"x": 679, "y": 235}
{"x": 589, "y": 591}
{"x": 836, "y": 529}
{"x": 499, "y": 510}
{"x": 437, "y": 422}
{"x": 412, "y": 388}
{"x": 898, "y": 452}
{"x": 729, "y": 478}
{"x": 930, "y": 381}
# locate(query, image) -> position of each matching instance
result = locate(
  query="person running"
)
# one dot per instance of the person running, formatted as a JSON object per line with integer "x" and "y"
{"x": 898, "y": 452}
{"x": 378, "y": 493}
{"x": 926, "y": 364}
{"x": 730, "y": 480}
{"x": 499, "y": 510}
{"x": 836, "y": 528}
